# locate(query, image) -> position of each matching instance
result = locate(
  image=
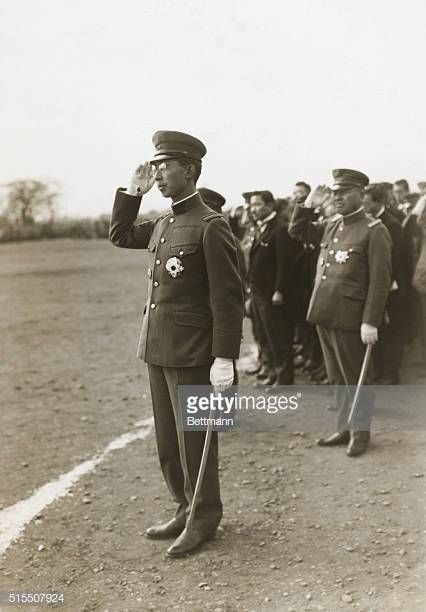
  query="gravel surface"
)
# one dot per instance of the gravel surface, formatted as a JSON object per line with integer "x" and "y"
{"x": 304, "y": 528}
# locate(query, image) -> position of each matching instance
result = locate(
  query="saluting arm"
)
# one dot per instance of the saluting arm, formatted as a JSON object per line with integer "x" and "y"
{"x": 302, "y": 225}
{"x": 286, "y": 251}
{"x": 303, "y": 228}
{"x": 123, "y": 232}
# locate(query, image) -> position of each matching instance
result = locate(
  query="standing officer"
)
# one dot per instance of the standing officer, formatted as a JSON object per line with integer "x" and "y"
{"x": 351, "y": 288}
{"x": 192, "y": 324}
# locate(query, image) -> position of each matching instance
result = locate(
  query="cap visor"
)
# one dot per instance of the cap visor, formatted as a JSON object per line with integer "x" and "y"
{"x": 162, "y": 157}
{"x": 338, "y": 186}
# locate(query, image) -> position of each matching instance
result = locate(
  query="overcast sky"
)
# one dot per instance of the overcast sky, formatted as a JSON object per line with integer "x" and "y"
{"x": 278, "y": 90}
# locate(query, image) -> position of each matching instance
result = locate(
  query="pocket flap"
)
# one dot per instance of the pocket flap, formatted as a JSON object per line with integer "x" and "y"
{"x": 193, "y": 319}
{"x": 183, "y": 249}
{"x": 352, "y": 291}
{"x": 353, "y": 248}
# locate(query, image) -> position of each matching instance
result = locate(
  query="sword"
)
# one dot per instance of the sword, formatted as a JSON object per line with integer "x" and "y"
{"x": 361, "y": 380}
{"x": 201, "y": 471}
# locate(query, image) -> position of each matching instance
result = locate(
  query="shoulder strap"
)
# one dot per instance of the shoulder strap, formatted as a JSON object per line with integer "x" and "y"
{"x": 374, "y": 222}
{"x": 212, "y": 215}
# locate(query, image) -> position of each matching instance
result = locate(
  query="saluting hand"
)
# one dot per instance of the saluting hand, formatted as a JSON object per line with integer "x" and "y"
{"x": 142, "y": 180}
{"x": 318, "y": 197}
{"x": 369, "y": 334}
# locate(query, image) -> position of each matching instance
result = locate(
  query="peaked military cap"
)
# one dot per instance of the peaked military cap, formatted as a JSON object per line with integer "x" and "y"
{"x": 171, "y": 145}
{"x": 212, "y": 198}
{"x": 345, "y": 179}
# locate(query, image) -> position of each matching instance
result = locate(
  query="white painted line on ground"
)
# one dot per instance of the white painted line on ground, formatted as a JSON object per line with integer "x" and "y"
{"x": 14, "y": 519}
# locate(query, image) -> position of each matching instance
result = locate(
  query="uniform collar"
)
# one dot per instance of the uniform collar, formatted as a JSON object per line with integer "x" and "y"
{"x": 355, "y": 216}
{"x": 182, "y": 206}
{"x": 380, "y": 213}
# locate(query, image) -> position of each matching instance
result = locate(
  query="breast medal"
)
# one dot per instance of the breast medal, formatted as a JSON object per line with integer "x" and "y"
{"x": 341, "y": 257}
{"x": 174, "y": 267}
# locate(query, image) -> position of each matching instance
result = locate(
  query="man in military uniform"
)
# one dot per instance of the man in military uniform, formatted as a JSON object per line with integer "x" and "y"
{"x": 192, "y": 323}
{"x": 351, "y": 288}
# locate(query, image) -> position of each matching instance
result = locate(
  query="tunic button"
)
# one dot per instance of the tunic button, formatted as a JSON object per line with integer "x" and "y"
{"x": 341, "y": 228}
{"x": 180, "y": 252}
{"x": 162, "y": 240}
{"x": 157, "y": 261}
{"x": 323, "y": 277}
{"x": 331, "y": 252}
{"x": 152, "y": 306}
{"x": 171, "y": 220}
{"x": 335, "y": 239}
{"x": 327, "y": 265}
{"x": 156, "y": 283}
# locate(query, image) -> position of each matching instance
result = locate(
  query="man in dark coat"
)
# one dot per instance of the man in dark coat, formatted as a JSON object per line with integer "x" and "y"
{"x": 192, "y": 324}
{"x": 351, "y": 289}
{"x": 388, "y": 350}
{"x": 272, "y": 271}
{"x": 412, "y": 243}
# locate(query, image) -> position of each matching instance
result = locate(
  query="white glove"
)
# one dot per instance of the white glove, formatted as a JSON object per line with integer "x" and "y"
{"x": 369, "y": 334}
{"x": 222, "y": 373}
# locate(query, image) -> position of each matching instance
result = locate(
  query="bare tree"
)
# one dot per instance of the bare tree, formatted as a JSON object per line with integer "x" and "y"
{"x": 28, "y": 201}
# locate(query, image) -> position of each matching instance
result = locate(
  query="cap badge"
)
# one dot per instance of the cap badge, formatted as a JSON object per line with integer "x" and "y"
{"x": 341, "y": 257}
{"x": 174, "y": 267}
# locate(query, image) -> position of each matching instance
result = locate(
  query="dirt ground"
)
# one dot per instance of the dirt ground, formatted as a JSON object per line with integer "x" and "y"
{"x": 304, "y": 528}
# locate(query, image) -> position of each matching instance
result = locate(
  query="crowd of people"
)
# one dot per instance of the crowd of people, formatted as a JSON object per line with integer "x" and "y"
{"x": 279, "y": 273}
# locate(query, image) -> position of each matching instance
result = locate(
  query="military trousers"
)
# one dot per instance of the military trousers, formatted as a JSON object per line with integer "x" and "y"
{"x": 180, "y": 451}
{"x": 343, "y": 356}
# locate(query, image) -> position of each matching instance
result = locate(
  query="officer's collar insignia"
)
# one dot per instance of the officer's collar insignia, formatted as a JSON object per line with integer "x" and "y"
{"x": 174, "y": 267}
{"x": 341, "y": 257}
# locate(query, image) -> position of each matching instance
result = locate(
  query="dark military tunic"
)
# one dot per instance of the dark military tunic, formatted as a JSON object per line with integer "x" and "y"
{"x": 353, "y": 276}
{"x": 194, "y": 313}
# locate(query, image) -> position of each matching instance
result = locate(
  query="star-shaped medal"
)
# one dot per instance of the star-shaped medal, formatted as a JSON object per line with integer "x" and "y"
{"x": 341, "y": 257}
